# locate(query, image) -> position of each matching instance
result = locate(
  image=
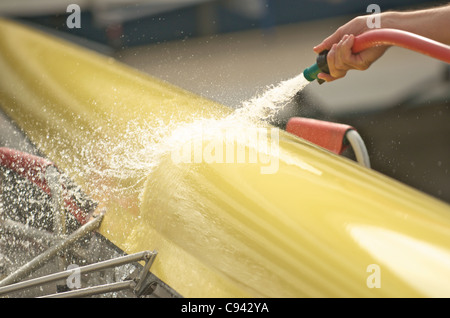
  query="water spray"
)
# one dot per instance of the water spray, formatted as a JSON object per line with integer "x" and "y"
{"x": 381, "y": 37}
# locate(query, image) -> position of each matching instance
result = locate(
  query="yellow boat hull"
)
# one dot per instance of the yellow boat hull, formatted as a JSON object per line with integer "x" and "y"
{"x": 318, "y": 226}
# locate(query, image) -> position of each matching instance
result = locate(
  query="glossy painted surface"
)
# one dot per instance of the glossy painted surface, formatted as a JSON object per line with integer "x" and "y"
{"x": 318, "y": 226}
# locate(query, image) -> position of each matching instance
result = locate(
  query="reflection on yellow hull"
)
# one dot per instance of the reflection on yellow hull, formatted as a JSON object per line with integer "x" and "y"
{"x": 318, "y": 226}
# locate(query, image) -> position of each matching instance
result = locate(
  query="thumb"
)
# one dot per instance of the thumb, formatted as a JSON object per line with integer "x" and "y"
{"x": 319, "y": 48}
{"x": 328, "y": 42}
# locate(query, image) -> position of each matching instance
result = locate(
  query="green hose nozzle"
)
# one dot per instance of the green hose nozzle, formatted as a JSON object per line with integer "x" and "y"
{"x": 321, "y": 66}
{"x": 311, "y": 72}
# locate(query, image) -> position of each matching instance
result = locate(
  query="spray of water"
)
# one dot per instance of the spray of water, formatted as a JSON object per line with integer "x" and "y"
{"x": 267, "y": 105}
{"x": 141, "y": 146}
{"x": 128, "y": 160}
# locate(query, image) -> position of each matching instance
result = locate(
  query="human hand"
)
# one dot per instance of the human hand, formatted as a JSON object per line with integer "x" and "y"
{"x": 340, "y": 57}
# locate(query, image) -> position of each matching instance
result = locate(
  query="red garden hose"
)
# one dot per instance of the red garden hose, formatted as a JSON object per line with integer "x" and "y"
{"x": 380, "y": 37}
{"x": 331, "y": 136}
{"x": 403, "y": 39}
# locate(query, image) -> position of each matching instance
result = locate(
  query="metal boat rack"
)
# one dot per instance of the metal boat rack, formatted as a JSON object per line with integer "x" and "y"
{"x": 138, "y": 284}
{"x": 66, "y": 233}
{"x": 133, "y": 284}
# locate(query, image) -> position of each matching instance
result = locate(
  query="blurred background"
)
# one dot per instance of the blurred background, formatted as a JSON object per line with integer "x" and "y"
{"x": 232, "y": 50}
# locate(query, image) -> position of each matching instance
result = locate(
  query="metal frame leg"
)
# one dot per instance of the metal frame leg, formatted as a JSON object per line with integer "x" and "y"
{"x": 43, "y": 258}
